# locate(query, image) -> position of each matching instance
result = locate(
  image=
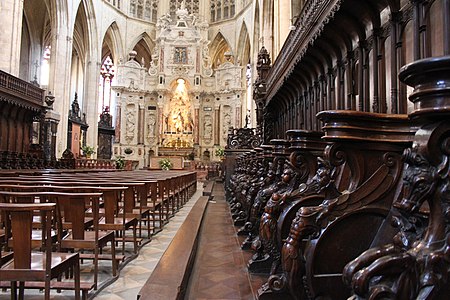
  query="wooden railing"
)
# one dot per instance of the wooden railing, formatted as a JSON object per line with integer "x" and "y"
{"x": 21, "y": 89}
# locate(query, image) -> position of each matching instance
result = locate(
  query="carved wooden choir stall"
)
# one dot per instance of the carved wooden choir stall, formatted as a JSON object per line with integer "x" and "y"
{"x": 348, "y": 194}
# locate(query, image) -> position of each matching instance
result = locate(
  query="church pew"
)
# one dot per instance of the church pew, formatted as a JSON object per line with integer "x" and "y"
{"x": 109, "y": 214}
{"x": 164, "y": 283}
{"x": 170, "y": 199}
{"x": 71, "y": 208}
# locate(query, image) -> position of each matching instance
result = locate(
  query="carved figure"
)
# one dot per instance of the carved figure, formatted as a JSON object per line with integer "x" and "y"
{"x": 208, "y": 127}
{"x": 130, "y": 121}
{"x": 415, "y": 265}
{"x": 151, "y": 125}
{"x": 164, "y": 21}
{"x": 268, "y": 222}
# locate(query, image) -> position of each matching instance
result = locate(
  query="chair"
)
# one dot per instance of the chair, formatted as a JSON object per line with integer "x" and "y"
{"x": 28, "y": 265}
{"x": 72, "y": 209}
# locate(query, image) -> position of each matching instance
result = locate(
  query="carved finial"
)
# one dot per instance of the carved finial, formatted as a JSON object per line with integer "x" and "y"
{"x": 132, "y": 55}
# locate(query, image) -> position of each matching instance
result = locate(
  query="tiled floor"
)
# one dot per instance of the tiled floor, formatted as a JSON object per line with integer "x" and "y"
{"x": 219, "y": 272}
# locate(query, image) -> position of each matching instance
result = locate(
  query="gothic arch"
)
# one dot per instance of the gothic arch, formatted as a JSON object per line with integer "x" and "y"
{"x": 256, "y": 31}
{"x": 218, "y": 48}
{"x": 112, "y": 43}
{"x": 266, "y": 22}
{"x": 34, "y": 27}
{"x": 244, "y": 46}
{"x": 144, "y": 45}
{"x": 84, "y": 50}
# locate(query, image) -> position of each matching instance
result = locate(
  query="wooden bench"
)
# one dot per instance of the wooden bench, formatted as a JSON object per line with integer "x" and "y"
{"x": 171, "y": 275}
{"x": 85, "y": 287}
{"x": 207, "y": 190}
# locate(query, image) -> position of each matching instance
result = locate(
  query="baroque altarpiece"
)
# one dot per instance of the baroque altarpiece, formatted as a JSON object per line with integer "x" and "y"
{"x": 181, "y": 105}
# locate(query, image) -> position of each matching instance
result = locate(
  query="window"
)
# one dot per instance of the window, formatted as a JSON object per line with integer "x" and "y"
{"x": 222, "y": 9}
{"x": 145, "y": 10}
{"x": 45, "y": 70}
{"x": 191, "y": 5}
{"x": 115, "y": 3}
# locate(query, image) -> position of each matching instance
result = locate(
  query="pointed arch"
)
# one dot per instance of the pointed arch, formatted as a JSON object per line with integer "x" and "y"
{"x": 112, "y": 43}
{"x": 35, "y": 18}
{"x": 267, "y": 23}
{"x": 218, "y": 48}
{"x": 144, "y": 46}
{"x": 244, "y": 46}
{"x": 256, "y": 31}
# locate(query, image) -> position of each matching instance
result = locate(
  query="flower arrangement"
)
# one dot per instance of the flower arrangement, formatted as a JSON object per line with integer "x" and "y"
{"x": 120, "y": 162}
{"x": 165, "y": 164}
{"x": 220, "y": 152}
{"x": 88, "y": 150}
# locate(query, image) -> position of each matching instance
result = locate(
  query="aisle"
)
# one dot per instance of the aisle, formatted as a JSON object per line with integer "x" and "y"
{"x": 136, "y": 273}
{"x": 220, "y": 270}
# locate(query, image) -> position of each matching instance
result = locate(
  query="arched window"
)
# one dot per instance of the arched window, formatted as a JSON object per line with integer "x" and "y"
{"x": 45, "y": 63}
{"x": 222, "y": 9}
{"x": 115, "y": 3}
{"x": 145, "y": 10}
{"x": 191, "y": 5}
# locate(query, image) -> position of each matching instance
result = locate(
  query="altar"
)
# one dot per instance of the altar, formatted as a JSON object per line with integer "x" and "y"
{"x": 177, "y": 162}
{"x": 173, "y": 151}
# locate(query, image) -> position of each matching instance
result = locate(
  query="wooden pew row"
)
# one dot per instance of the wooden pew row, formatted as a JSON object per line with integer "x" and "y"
{"x": 164, "y": 283}
{"x": 171, "y": 197}
{"x": 110, "y": 219}
{"x": 130, "y": 202}
{"x": 71, "y": 212}
{"x": 179, "y": 189}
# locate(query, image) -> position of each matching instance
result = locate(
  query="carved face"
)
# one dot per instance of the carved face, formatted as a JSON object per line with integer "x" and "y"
{"x": 419, "y": 182}
{"x": 287, "y": 175}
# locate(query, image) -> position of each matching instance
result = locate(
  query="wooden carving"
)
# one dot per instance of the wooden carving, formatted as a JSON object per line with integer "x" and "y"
{"x": 417, "y": 262}
{"x": 344, "y": 224}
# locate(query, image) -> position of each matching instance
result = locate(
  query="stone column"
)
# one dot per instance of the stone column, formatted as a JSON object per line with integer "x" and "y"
{"x": 11, "y": 14}
{"x": 284, "y": 9}
{"x": 160, "y": 122}
{"x": 141, "y": 123}
{"x": 238, "y": 120}
{"x": 59, "y": 79}
{"x": 118, "y": 123}
{"x": 196, "y": 125}
{"x": 216, "y": 125}
{"x": 51, "y": 128}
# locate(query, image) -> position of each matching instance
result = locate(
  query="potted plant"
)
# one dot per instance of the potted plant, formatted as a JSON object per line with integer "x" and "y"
{"x": 220, "y": 152}
{"x": 165, "y": 164}
{"x": 88, "y": 150}
{"x": 120, "y": 162}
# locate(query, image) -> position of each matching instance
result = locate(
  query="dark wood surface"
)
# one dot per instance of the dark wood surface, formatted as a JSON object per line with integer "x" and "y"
{"x": 169, "y": 279}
